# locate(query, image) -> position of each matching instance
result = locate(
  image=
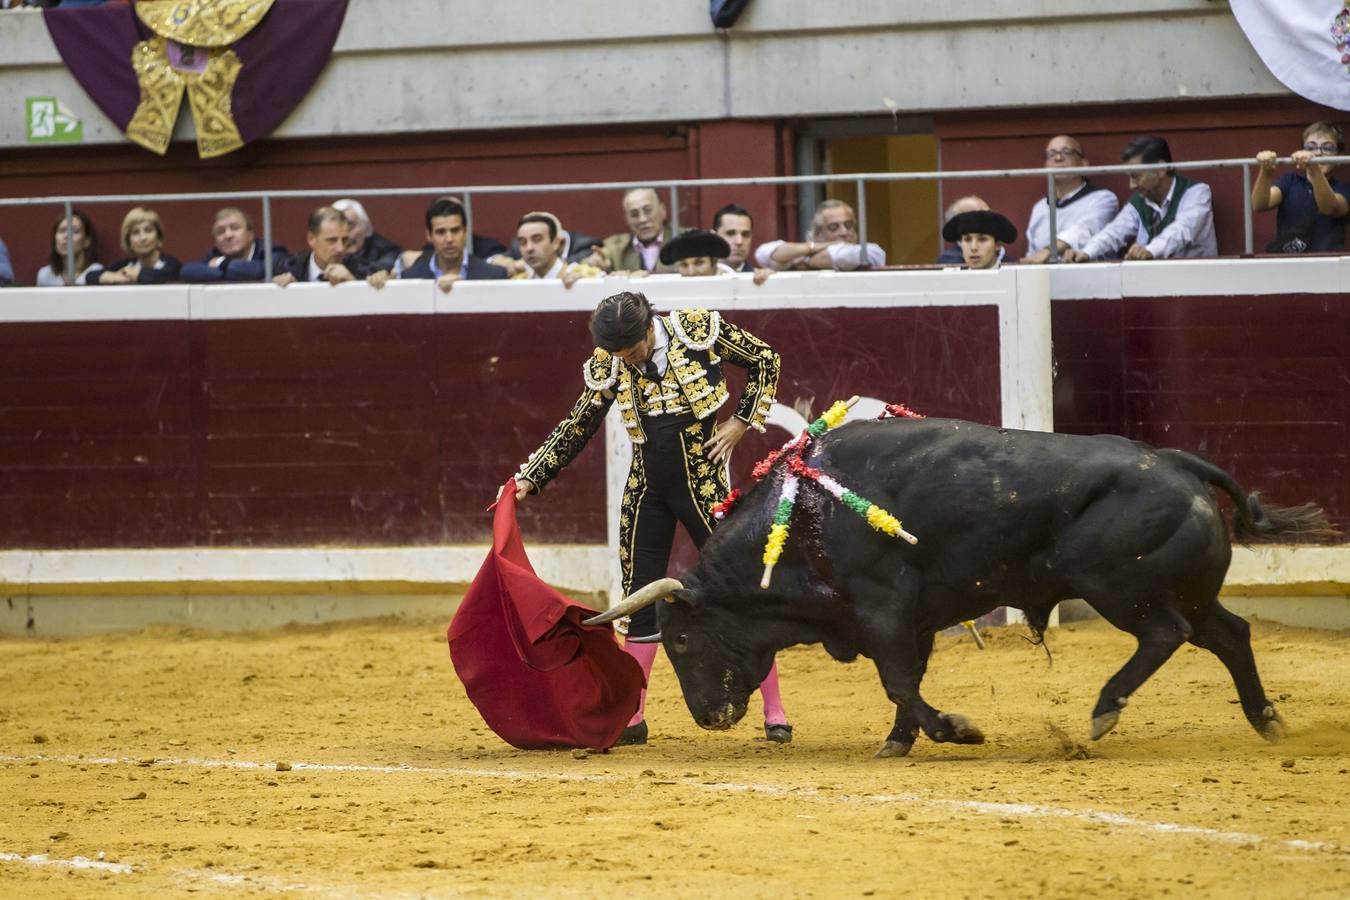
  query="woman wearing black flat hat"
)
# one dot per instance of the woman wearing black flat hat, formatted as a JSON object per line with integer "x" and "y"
{"x": 665, "y": 374}
{"x": 981, "y": 235}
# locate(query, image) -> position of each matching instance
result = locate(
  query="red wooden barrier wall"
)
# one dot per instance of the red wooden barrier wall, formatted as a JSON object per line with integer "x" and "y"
{"x": 377, "y": 429}
{"x": 1259, "y": 385}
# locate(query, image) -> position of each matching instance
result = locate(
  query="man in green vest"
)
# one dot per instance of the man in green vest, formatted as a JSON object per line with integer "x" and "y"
{"x": 1168, "y": 215}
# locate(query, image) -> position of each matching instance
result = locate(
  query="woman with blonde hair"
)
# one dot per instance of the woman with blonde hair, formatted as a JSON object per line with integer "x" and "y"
{"x": 142, "y": 237}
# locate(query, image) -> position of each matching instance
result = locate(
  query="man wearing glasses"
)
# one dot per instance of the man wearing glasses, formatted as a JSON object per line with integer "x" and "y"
{"x": 1167, "y": 216}
{"x": 1311, "y": 204}
{"x": 1081, "y": 208}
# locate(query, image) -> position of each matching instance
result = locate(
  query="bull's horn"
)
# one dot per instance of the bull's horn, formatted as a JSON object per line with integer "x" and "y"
{"x": 641, "y": 598}
{"x": 645, "y": 639}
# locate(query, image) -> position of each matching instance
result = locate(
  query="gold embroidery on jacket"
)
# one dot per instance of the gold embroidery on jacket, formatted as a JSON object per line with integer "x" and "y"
{"x": 633, "y": 493}
{"x": 690, "y": 383}
{"x": 708, "y": 481}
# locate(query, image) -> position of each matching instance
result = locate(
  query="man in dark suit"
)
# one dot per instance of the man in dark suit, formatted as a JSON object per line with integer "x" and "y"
{"x": 236, "y": 253}
{"x": 324, "y": 262}
{"x": 451, "y": 261}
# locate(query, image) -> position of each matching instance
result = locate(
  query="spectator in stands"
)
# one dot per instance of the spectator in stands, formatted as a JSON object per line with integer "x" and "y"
{"x": 951, "y": 253}
{"x": 236, "y": 253}
{"x": 697, "y": 252}
{"x": 1081, "y": 208}
{"x": 576, "y": 248}
{"x": 6, "y": 267}
{"x": 981, "y": 234}
{"x": 143, "y": 238}
{"x": 639, "y": 248}
{"x": 833, "y": 244}
{"x": 325, "y": 260}
{"x": 1168, "y": 215}
{"x": 1311, "y": 203}
{"x": 450, "y": 261}
{"x": 539, "y": 237}
{"x": 737, "y": 228}
{"x": 86, "y": 252}
{"x": 375, "y": 251}
{"x": 480, "y": 245}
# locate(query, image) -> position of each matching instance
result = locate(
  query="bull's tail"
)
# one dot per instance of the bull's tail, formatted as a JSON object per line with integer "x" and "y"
{"x": 1253, "y": 521}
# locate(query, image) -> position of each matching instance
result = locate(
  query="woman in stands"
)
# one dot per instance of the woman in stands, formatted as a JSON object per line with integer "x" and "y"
{"x": 85, "y": 242}
{"x": 143, "y": 238}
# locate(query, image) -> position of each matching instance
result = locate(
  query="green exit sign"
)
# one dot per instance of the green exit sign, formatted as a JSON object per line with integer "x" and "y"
{"x": 50, "y": 122}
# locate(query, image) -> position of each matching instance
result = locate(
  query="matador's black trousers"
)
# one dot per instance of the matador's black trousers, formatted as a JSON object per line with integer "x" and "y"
{"x": 671, "y": 480}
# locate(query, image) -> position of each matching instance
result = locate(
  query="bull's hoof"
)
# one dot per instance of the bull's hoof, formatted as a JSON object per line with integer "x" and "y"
{"x": 1272, "y": 728}
{"x": 893, "y": 749}
{"x": 1103, "y": 724}
{"x": 963, "y": 731}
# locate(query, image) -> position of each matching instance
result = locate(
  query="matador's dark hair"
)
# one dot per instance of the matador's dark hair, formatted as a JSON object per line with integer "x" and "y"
{"x": 621, "y": 320}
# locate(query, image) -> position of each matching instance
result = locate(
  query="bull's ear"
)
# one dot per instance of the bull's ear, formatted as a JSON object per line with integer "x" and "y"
{"x": 682, "y": 595}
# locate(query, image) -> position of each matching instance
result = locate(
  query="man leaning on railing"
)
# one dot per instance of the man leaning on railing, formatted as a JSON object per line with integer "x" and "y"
{"x": 1310, "y": 200}
{"x": 833, "y": 244}
{"x": 1081, "y": 208}
{"x": 325, "y": 261}
{"x": 1168, "y": 215}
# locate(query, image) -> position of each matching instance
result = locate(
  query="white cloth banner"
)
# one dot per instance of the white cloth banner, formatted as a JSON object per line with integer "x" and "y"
{"x": 1303, "y": 43}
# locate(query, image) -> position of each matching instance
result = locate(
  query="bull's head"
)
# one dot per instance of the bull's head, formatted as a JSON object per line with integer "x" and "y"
{"x": 711, "y": 650}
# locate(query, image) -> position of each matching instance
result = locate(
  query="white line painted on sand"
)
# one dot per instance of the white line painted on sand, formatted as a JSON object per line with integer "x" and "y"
{"x": 200, "y": 763}
{"x": 984, "y": 807}
{"x": 75, "y": 862}
{"x": 1036, "y": 810}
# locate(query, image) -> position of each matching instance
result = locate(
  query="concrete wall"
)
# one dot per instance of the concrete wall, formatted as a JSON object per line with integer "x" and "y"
{"x": 446, "y": 66}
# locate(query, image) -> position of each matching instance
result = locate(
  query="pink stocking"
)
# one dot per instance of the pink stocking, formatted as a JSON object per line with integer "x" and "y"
{"x": 774, "y": 714}
{"x": 645, "y": 654}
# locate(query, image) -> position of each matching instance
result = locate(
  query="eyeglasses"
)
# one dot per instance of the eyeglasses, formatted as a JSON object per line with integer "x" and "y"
{"x": 1327, "y": 148}
{"x": 1065, "y": 153}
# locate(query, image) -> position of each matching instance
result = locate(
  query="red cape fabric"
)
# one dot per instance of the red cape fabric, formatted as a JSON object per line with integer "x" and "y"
{"x": 538, "y": 676}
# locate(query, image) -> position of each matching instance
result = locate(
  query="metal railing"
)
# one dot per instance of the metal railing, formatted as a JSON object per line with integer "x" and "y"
{"x": 467, "y": 192}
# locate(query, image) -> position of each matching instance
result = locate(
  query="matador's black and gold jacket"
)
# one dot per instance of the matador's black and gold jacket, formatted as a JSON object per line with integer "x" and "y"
{"x": 699, "y": 341}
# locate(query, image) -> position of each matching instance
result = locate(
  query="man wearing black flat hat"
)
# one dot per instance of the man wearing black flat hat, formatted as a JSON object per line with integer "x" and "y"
{"x": 981, "y": 235}
{"x": 698, "y": 252}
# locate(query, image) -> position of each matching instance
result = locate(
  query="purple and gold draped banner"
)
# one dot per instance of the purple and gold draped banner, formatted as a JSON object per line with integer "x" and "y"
{"x": 242, "y": 64}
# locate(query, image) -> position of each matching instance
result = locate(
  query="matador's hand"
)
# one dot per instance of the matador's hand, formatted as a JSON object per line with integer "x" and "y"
{"x": 727, "y": 435}
{"x": 523, "y": 488}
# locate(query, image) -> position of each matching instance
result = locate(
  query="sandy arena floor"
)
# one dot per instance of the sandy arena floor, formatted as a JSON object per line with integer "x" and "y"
{"x": 345, "y": 761}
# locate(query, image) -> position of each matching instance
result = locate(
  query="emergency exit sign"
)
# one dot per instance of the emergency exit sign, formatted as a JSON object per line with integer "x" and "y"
{"x": 50, "y": 122}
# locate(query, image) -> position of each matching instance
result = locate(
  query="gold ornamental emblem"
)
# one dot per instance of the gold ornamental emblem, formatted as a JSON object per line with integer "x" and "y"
{"x": 202, "y": 23}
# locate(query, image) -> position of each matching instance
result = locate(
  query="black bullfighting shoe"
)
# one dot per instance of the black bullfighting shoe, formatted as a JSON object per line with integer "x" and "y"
{"x": 635, "y": 734}
{"x": 779, "y": 734}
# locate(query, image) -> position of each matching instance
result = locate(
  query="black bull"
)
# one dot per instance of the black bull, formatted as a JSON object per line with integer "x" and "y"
{"x": 1017, "y": 518}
